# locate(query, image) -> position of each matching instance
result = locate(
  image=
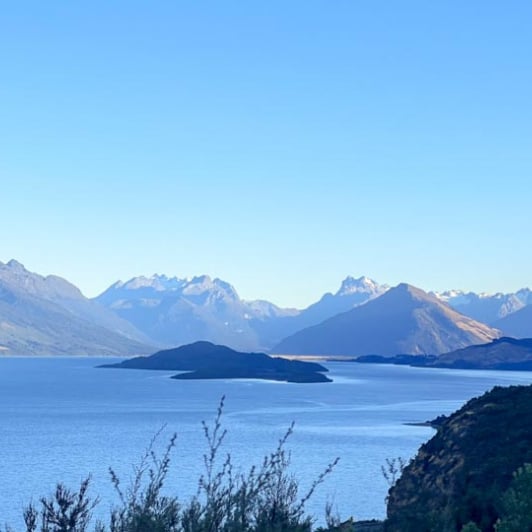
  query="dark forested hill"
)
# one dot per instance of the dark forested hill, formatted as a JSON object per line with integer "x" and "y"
{"x": 460, "y": 475}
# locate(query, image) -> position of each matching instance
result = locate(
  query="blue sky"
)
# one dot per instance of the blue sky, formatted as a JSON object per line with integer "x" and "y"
{"x": 279, "y": 145}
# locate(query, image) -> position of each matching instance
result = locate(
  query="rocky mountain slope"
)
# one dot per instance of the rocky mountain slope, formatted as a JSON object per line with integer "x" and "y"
{"x": 49, "y": 316}
{"x": 403, "y": 320}
{"x": 460, "y": 475}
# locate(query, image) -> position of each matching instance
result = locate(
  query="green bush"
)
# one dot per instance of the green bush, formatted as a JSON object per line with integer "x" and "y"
{"x": 516, "y": 512}
{"x": 65, "y": 511}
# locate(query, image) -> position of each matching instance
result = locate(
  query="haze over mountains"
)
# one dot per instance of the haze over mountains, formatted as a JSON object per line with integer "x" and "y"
{"x": 49, "y": 315}
{"x": 176, "y": 311}
{"x": 488, "y": 308}
{"x": 403, "y": 320}
{"x": 517, "y": 324}
{"x": 179, "y": 311}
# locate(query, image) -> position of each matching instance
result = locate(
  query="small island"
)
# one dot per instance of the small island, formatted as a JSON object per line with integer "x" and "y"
{"x": 204, "y": 360}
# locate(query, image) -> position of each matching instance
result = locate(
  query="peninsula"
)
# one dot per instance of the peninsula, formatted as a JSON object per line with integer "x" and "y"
{"x": 504, "y": 353}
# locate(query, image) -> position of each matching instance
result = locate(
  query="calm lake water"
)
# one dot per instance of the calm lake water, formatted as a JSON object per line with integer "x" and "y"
{"x": 62, "y": 419}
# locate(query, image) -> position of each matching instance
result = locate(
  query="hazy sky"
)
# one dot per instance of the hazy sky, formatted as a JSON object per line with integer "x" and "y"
{"x": 279, "y": 145}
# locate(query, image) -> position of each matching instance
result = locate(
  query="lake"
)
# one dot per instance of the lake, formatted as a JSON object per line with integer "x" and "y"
{"x": 62, "y": 419}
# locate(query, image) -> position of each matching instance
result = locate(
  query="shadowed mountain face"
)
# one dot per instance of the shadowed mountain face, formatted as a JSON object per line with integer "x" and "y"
{"x": 403, "y": 320}
{"x": 178, "y": 311}
{"x": 461, "y": 473}
{"x": 205, "y": 360}
{"x": 518, "y": 324}
{"x": 49, "y": 316}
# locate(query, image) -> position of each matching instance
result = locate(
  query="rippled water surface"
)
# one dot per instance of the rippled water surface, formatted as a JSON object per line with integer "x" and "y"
{"x": 62, "y": 419}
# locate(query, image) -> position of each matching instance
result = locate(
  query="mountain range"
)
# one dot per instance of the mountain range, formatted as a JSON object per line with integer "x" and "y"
{"x": 176, "y": 311}
{"x": 49, "y": 315}
{"x": 403, "y": 320}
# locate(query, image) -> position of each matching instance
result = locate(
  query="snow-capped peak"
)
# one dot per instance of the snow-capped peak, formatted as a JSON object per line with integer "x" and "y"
{"x": 460, "y": 297}
{"x": 351, "y": 285}
{"x": 205, "y": 284}
{"x": 159, "y": 283}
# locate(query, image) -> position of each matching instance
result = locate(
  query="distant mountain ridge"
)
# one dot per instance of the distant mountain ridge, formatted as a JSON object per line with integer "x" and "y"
{"x": 352, "y": 293}
{"x": 488, "y": 308}
{"x": 177, "y": 311}
{"x": 269, "y": 324}
{"x": 50, "y": 316}
{"x": 263, "y": 325}
{"x": 404, "y": 320}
